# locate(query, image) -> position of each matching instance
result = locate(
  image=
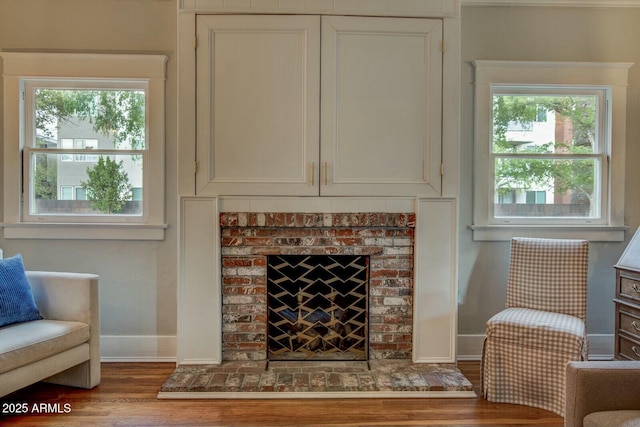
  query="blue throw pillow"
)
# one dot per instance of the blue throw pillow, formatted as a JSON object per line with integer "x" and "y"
{"x": 16, "y": 300}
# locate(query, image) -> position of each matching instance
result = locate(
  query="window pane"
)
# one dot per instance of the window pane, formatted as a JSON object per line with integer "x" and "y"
{"x": 104, "y": 187}
{"x": 137, "y": 193}
{"x": 67, "y": 144}
{"x": 545, "y": 124}
{"x": 80, "y": 193}
{"x": 546, "y": 187}
{"x": 66, "y": 192}
{"x": 92, "y": 118}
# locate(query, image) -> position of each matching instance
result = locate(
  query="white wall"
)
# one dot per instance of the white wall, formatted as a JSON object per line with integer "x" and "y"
{"x": 137, "y": 278}
{"x": 544, "y": 34}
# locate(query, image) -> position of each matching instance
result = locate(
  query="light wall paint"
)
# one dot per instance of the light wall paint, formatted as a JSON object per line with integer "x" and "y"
{"x": 138, "y": 279}
{"x": 543, "y": 34}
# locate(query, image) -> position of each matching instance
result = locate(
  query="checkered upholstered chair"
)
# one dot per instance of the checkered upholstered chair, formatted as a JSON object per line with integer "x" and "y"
{"x": 528, "y": 345}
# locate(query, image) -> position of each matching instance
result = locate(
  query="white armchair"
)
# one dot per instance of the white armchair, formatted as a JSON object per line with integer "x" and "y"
{"x": 543, "y": 327}
{"x": 62, "y": 348}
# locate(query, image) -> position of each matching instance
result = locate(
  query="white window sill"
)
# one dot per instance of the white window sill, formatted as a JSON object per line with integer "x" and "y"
{"x": 80, "y": 231}
{"x": 506, "y": 232}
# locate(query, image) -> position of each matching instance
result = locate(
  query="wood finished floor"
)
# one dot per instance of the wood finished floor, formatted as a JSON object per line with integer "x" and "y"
{"x": 127, "y": 397}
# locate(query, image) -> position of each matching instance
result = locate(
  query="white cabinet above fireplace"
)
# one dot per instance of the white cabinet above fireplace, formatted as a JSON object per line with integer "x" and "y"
{"x": 309, "y": 105}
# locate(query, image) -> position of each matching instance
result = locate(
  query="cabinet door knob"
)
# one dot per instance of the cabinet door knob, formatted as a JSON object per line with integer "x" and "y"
{"x": 633, "y": 348}
{"x": 635, "y": 325}
{"x": 636, "y": 288}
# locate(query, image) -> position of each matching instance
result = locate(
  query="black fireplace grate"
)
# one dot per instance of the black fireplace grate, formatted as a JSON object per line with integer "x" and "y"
{"x": 317, "y": 307}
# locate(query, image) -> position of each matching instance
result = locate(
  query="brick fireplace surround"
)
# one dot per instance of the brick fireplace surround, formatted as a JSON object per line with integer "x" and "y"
{"x": 247, "y": 238}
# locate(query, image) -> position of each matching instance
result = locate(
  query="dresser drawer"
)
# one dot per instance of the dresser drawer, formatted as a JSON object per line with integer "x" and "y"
{"x": 629, "y": 288}
{"x": 628, "y": 348}
{"x": 629, "y": 320}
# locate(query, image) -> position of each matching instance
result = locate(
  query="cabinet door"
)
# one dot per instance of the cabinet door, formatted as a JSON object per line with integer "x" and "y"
{"x": 258, "y": 105}
{"x": 381, "y": 106}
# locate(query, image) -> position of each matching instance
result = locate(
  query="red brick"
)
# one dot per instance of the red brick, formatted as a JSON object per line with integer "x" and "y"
{"x": 384, "y": 346}
{"x": 234, "y": 280}
{"x": 346, "y": 241}
{"x": 258, "y": 241}
{"x": 384, "y": 273}
{"x": 397, "y": 320}
{"x": 259, "y": 281}
{"x": 340, "y": 232}
{"x": 312, "y": 220}
{"x": 231, "y": 241}
{"x": 411, "y": 220}
{"x": 252, "y": 327}
{"x": 236, "y": 262}
{"x": 259, "y": 261}
{"x": 263, "y": 232}
{"x": 250, "y": 345}
{"x": 251, "y": 290}
{"x": 266, "y": 250}
{"x": 260, "y": 318}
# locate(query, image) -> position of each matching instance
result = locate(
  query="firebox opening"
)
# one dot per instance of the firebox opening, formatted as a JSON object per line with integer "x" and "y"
{"x": 317, "y": 307}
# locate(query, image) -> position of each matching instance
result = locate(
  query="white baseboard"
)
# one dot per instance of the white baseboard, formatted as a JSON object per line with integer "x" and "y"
{"x": 137, "y": 348}
{"x": 152, "y": 348}
{"x": 600, "y": 347}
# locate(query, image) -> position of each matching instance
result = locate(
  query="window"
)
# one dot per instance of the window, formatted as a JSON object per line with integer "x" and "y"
{"x": 81, "y": 194}
{"x": 536, "y": 197}
{"x": 88, "y": 130}
{"x": 549, "y": 143}
{"x": 563, "y": 156}
{"x": 66, "y": 192}
{"x": 107, "y": 162}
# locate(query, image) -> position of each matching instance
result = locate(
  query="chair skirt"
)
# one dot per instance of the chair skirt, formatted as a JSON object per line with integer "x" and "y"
{"x": 525, "y": 355}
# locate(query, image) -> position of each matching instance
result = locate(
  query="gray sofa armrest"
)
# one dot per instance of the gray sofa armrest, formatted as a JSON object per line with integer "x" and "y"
{"x": 71, "y": 297}
{"x": 66, "y": 296}
{"x": 600, "y": 386}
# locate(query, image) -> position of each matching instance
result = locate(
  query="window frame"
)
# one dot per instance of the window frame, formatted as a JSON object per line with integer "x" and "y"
{"x": 20, "y": 69}
{"x": 76, "y": 153}
{"x": 532, "y": 75}
{"x": 599, "y": 154}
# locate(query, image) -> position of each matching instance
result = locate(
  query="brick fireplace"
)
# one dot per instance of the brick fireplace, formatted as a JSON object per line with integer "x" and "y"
{"x": 247, "y": 238}
{"x": 412, "y": 305}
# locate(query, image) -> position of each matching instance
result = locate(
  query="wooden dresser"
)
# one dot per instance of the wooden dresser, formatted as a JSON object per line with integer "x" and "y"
{"x": 627, "y": 333}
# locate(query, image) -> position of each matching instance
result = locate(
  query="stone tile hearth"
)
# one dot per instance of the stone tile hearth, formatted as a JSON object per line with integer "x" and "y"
{"x": 263, "y": 379}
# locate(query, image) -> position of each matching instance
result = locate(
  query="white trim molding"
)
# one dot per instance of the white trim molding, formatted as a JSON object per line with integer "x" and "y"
{"x": 151, "y": 348}
{"x": 609, "y": 226}
{"x": 138, "y": 348}
{"x": 199, "y": 338}
{"x": 435, "y": 305}
{"x": 409, "y": 8}
{"x": 78, "y": 70}
{"x": 554, "y": 3}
